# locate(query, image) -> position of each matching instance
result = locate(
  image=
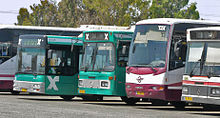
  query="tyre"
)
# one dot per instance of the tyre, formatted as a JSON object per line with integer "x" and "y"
{"x": 130, "y": 101}
{"x": 15, "y": 92}
{"x": 67, "y": 97}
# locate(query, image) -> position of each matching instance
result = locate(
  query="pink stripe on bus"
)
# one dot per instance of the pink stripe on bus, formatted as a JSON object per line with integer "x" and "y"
{"x": 4, "y": 75}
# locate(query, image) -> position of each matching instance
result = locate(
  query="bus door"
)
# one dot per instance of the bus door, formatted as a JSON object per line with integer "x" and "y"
{"x": 176, "y": 63}
{"x": 62, "y": 70}
{"x": 122, "y": 59}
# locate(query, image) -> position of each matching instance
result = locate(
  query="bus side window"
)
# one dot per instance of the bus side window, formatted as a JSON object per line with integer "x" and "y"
{"x": 177, "y": 52}
{"x": 60, "y": 61}
{"x": 123, "y": 50}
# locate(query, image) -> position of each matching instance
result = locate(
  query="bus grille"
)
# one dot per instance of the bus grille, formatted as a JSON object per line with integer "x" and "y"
{"x": 86, "y": 83}
{"x": 198, "y": 90}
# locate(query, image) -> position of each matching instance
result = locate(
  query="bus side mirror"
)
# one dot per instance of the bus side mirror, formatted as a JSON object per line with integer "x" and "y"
{"x": 177, "y": 48}
{"x": 72, "y": 48}
{"x": 134, "y": 47}
{"x": 49, "y": 54}
{"x": 124, "y": 49}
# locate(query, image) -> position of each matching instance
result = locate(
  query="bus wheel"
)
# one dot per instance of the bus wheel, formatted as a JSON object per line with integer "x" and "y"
{"x": 130, "y": 101}
{"x": 67, "y": 97}
{"x": 179, "y": 105}
{"x": 159, "y": 102}
{"x": 15, "y": 92}
{"x": 100, "y": 98}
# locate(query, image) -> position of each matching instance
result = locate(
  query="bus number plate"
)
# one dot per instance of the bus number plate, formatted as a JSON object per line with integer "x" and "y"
{"x": 81, "y": 91}
{"x": 24, "y": 90}
{"x": 139, "y": 93}
{"x": 188, "y": 98}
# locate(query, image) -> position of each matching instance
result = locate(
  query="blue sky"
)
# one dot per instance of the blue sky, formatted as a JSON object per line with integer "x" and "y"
{"x": 209, "y": 9}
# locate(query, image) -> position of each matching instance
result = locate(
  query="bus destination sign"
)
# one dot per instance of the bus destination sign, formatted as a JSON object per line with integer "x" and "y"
{"x": 208, "y": 35}
{"x": 31, "y": 42}
{"x": 97, "y": 36}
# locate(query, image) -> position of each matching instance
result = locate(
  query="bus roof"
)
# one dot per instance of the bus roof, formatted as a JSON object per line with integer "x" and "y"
{"x": 40, "y": 28}
{"x": 170, "y": 21}
{"x": 81, "y": 28}
{"x": 103, "y": 27}
{"x": 115, "y": 31}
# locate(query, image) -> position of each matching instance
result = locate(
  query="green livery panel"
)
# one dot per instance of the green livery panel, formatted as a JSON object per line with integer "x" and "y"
{"x": 61, "y": 85}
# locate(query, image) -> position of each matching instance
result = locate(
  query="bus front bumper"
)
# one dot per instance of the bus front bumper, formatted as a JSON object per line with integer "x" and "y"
{"x": 151, "y": 91}
{"x": 95, "y": 91}
{"x": 31, "y": 87}
{"x": 96, "y": 87}
{"x": 201, "y": 99}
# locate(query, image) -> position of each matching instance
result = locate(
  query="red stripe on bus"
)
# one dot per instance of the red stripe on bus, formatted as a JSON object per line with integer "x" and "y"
{"x": 212, "y": 84}
{"x": 4, "y": 75}
{"x": 188, "y": 82}
{"x": 204, "y": 83}
{"x": 200, "y": 76}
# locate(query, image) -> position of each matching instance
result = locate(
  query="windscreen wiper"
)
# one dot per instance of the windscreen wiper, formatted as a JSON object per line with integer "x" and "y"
{"x": 93, "y": 56}
{"x": 191, "y": 72}
{"x": 153, "y": 68}
{"x": 203, "y": 59}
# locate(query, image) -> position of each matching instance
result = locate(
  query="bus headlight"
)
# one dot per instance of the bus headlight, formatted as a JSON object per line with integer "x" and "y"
{"x": 36, "y": 86}
{"x": 215, "y": 91}
{"x": 80, "y": 83}
{"x": 15, "y": 84}
{"x": 128, "y": 86}
{"x": 104, "y": 84}
{"x": 185, "y": 90}
{"x": 154, "y": 88}
{"x": 157, "y": 88}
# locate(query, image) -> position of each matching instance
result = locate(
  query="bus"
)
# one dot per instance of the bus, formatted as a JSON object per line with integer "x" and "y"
{"x": 201, "y": 82}
{"x": 48, "y": 64}
{"x": 157, "y": 59}
{"x": 105, "y": 56}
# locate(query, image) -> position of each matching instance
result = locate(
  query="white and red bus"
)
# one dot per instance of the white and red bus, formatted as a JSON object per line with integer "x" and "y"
{"x": 201, "y": 80}
{"x": 9, "y": 35}
{"x": 157, "y": 59}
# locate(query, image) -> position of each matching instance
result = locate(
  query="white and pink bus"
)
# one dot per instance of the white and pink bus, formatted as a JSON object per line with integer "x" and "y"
{"x": 9, "y": 35}
{"x": 157, "y": 59}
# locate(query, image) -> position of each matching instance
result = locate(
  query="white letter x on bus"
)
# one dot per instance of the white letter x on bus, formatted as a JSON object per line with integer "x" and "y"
{"x": 53, "y": 82}
{"x": 106, "y": 36}
{"x": 39, "y": 40}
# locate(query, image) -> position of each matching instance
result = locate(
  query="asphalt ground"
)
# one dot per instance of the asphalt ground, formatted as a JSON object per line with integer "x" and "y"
{"x": 41, "y": 106}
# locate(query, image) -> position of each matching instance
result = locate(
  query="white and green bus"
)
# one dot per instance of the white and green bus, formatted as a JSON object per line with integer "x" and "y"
{"x": 48, "y": 64}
